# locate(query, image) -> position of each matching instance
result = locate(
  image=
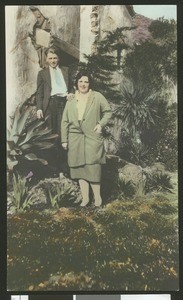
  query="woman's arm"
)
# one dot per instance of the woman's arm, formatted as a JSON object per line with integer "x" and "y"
{"x": 105, "y": 111}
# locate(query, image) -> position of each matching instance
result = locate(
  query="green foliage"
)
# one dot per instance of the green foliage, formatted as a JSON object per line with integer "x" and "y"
{"x": 134, "y": 240}
{"x": 163, "y": 29}
{"x": 20, "y": 199}
{"x": 138, "y": 112}
{"x": 62, "y": 194}
{"x": 147, "y": 142}
{"x": 158, "y": 182}
{"x": 161, "y": 138}
{"x": 164, "y": 34}
{"x": 53, "y": 199}
{"x": 163, "y": 206}
{"x": 143, "y": 65}
{"x": 126, "y": 188}
{"x": 134, "y": 150}
{"x": 25, "y": 139}
{"x": 167, "y": 144}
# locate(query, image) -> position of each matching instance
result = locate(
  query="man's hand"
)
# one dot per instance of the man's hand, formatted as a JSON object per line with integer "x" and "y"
{"x": 65, "y": 146}
{"x": 40, "y": 114}
{"x": 98, "y": 128}
{"x": 70, "y": 96}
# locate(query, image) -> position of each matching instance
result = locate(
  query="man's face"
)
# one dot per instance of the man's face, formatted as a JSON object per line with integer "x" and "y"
{"x": 52, "y": 60}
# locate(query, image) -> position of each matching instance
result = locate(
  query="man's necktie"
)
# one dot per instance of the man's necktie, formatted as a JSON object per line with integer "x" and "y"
{"x": 56, "y": 77}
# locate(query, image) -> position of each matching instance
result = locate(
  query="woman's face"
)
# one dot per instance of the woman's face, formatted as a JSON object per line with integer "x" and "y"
{"x": 83, "y": 85}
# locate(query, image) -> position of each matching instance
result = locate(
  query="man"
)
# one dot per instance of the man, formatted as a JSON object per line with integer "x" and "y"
{"x": 51, "y": 99}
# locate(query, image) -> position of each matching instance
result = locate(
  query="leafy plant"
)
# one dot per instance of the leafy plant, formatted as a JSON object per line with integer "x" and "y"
{"x": 20, "y": 199}
{"x": 137, "y": 111}
{"x": 167, "y": 144}
{"x": 158, "y": 182}
{"x": 135, "y": 107}
{"x": 53, "y": 199}
{"x": 133, "y": 149}
{"x": 126, "y": 188}
{"x": 62, "y": 195}
{"x": 25, "y": 139}
{"x": 164, "y": 34}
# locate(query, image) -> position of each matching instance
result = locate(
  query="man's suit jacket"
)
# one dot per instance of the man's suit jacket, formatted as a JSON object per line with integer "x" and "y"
{"x": 44, "y": 87}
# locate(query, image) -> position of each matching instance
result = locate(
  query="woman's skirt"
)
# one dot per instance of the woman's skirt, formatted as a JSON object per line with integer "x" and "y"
{"x": 91, "y": 173}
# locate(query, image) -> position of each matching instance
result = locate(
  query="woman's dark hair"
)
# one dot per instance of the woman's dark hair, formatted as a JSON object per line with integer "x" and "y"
{"x": 84, "y": 73}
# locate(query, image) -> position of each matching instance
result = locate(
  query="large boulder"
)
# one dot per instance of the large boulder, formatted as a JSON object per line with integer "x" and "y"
{"x": 135, "y": 175}
{"x": 156, "y": 168}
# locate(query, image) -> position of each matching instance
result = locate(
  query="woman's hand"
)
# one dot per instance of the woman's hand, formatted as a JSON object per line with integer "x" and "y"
{"x": 65, "y": 146}
{"x": 98, "y": 128}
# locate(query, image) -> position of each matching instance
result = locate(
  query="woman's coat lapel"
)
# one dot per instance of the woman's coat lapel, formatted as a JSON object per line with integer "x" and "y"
{"x": 88, "y": 106}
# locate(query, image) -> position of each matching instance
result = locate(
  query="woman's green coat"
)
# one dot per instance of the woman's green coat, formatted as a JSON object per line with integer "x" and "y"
{"x": 84, "y": 145}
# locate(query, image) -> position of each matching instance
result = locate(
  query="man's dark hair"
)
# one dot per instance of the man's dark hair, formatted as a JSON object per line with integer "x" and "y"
{"x": 52, "y": 50}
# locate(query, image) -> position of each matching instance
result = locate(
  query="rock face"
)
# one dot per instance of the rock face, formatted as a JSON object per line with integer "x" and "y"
{"x": 22, "y": 58}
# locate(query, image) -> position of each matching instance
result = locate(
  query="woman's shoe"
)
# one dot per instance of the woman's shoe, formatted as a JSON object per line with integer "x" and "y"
{"x": 84, "y": 203}
{"x": 98, "y": 202}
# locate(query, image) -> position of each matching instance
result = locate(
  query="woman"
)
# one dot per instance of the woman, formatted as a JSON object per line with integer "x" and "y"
{"x": 81, "y": 134}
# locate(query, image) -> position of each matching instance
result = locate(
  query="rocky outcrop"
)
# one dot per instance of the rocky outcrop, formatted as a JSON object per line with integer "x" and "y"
{"x": 135, "y": 175}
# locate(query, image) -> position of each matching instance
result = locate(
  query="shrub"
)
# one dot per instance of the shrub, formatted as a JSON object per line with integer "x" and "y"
{"x": 158, "y": 182}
